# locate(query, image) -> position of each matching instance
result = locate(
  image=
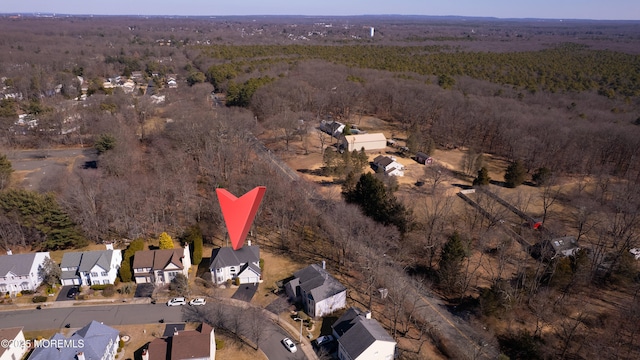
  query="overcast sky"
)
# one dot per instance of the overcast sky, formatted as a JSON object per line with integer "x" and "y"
{"x": 550, "y": 9}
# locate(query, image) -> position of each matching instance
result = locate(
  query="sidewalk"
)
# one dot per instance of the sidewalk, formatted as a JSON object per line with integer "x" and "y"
{"x": 71, "y": 303}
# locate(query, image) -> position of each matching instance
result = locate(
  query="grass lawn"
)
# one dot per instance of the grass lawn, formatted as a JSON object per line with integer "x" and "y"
{"x": 276, "y": 267}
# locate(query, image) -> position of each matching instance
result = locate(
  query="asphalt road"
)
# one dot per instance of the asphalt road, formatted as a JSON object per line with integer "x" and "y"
{"x": 36, "y": 164}
{"x": 78, "y": 316}
{"x": 129, "y": 314}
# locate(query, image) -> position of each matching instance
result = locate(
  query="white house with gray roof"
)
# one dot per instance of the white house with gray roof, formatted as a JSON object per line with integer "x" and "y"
{"x": 362, "y": 338}
{"x": 242, "y": 264}
{"x": 95, "y": 341}
{"x": 318, "y": 292}
{"x": 90, "y": 267}
{"x": 19, "y": 345}
{"x": 20, "y": 272}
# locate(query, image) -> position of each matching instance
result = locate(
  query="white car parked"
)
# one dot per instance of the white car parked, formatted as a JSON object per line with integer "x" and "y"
{"x": 197, "y": 302}
{"x": 177, "y": 301}
{"x": 289, "y": 345}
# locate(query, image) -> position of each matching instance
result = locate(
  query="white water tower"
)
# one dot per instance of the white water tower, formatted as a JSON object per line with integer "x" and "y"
{"x": 373, "y": 30}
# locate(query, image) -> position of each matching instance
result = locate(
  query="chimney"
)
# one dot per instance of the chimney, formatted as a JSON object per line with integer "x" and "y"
{"x": 109, "y": 246}
{"x": 175, "y": 331}
{"x": 9, "y": 252}
{"x": 145, "y": 354}
{"x": 367, "y": 315}
{"x": 248, "y": 242}
{"x": 324, "y": 265}
{"x": 80, "y": 355}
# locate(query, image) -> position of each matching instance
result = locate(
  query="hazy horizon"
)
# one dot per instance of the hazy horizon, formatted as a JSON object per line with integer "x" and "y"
{"x": 502, "y": 9}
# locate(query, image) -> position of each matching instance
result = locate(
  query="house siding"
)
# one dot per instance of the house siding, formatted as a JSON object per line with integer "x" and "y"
{"x": 14, "y": 283}
{"x": 328, "y": 306}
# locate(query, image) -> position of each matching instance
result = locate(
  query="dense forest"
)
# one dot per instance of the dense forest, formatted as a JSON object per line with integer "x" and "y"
{"x": 560, "y": 101}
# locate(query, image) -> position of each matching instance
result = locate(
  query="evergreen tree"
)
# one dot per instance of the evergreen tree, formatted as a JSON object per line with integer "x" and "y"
{"x": 193, "y": 237}
{"x": 541, "y": 176}
{"x": 165, "y": 241}
{"x": 5, "y": 171}
{"x": 125, "y": 272}
{"x": 451, "y": 262}
{"x": 347, "y": 129}
{"x": 515, "y": 174}
{"x": 42, "y": 215}
{"x": 482, "y": 178}
{"x": 104, "y": 143}
{"x": 375, "y": 201}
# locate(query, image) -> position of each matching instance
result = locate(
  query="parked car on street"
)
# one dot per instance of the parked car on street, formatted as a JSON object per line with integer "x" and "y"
{"x": 289, "y": 345}
{"x": 197, "y": 302}
{"x": 177, "y": 301}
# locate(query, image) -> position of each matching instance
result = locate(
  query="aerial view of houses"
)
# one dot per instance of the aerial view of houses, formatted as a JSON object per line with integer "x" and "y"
{"x": 211, "y": 180}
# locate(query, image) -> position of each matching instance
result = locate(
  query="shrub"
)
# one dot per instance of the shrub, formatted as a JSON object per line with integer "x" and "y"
{"x": 27, "y": 292}
{"x": 261, "y": 264}
{"x": 39, "y": 299}
{"x": 219, "y": 344}
{"x": 109, "y": 290}
{"x": 237, "y": 281}
{"x": 120, "y": 344}
{"x": 99, "y": 287}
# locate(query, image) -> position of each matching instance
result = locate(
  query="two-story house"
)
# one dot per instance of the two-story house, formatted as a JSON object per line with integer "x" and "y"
{"x": 95, "y": 341}
{"x": 242, "y": 264}
{"x": 388, "y": 165}
{"x": 161, "y": 266}
{"x": 21, "y": 271}
{"x": 318, "y": 292}
{"x": 362, "y": 338}
{"x": 90, "y": 267}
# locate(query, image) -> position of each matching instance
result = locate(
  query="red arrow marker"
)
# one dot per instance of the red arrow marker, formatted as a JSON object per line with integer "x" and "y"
{"x": 239, "y": 212}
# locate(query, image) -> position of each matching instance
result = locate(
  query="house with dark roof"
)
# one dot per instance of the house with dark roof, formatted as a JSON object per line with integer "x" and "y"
{"x": 183, "y": 344}
{"x": 242, "y": 264}
{"x": 95, "y": 341}
{"x": 19, "y": 347}
{"x": 161, "y": 266}
{"x": 388, "y": 165}
{"x": 318, "y": 292}
{"x": 20, "y": 271}
{"x": 90, "y": 267}
{"x": 362, "y": 338}
{"x": 556, "y": 247}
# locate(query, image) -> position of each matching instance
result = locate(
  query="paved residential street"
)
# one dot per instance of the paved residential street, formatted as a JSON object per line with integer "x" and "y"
{"x": 129, "y": 314}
